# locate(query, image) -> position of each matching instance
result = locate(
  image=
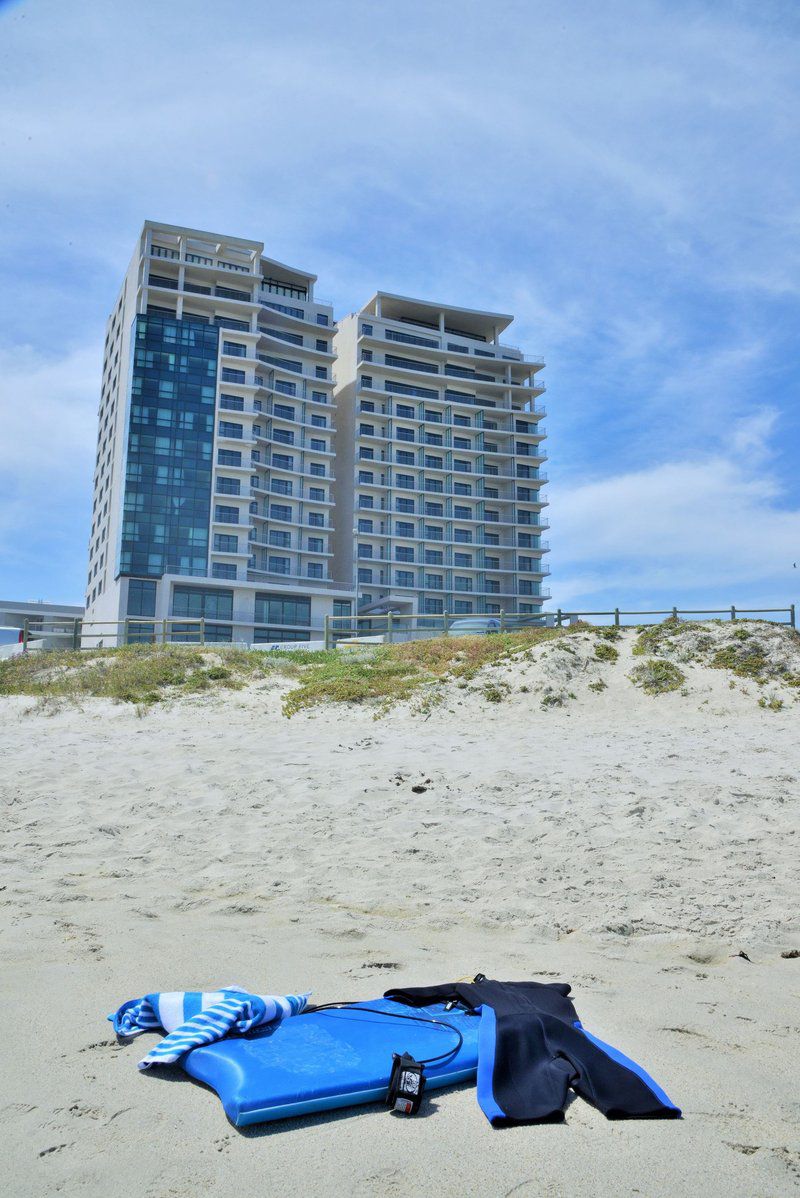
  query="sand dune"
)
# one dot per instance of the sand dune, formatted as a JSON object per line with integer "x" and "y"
{"x": 630, "y": 844}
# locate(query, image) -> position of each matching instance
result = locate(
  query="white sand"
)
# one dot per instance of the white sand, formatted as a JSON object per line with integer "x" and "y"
{"x": 627, "y": 844}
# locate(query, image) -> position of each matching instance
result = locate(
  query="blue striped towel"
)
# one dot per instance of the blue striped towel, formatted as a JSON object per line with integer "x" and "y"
{"x": 191, "y": 1018}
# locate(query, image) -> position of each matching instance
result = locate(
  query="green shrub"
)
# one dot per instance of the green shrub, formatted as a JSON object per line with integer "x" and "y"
{"x": 606, "y": 652}
{"x": 657, "y": 677}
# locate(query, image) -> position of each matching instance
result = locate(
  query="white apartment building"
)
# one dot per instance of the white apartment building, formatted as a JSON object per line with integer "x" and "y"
{"x": 439, "y": 460}
{"x": 215, "y": 456}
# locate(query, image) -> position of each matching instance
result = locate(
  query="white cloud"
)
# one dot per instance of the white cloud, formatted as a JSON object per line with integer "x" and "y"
{"x": 712, "y": 523}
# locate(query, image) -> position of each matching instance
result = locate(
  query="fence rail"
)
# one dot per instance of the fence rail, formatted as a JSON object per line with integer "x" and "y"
{"x": 395, "y": 626}
{"x": 389, "y": 626}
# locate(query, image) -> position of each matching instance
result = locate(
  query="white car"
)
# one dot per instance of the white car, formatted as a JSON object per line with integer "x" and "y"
{"x": 474, "y": 626}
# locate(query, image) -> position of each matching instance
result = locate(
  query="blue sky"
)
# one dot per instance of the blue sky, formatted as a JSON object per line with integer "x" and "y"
{"x": 624, "y": 176}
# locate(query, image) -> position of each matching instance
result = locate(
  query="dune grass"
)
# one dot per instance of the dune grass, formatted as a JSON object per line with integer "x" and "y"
{"x": 135, "y": 673}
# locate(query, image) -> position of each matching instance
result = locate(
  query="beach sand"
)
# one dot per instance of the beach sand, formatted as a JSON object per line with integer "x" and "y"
{"x": 631, "y": 845}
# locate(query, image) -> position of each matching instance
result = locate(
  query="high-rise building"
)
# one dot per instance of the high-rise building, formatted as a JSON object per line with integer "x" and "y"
{"x": 214, "y": 472}
{"x": 439, "y": 461}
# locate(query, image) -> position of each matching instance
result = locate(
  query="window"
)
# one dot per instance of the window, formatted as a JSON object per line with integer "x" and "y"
{"x": 321, "y": 344}
{"x": 366, "y": 476}
{"x": 403, "y": 529}
{"x": 229, "y": 375}
{"x": 433, "y": 463}
{"x": 319, "y": 397}
{"x": 316, "y": 545}
{"x": 434, "y": 439}
{"x": 404, "y": 578}
{"x": 317, "y": 444}
{"x": 284, "y": 436}
{"x": 366, "y": 453}
{"x": 284, "y": 410}
{"x": 406, "y": 481}
{"x": 317, "y": 469}
{"x": 364, "y": 575}
{"x": 404, "y": 457}
{"x": 433, "y": 417}
{"x": 462, "y": 584}
{"x": 434, "y": 509}
{"x": 462, "y": 535}
{"x": 462, "y": 559}
{"x": 280, "y": 538}
{"x": 404, "y": 411}
{"x": 434, "y": 484}
{"x": 322, "y": 318}
{"x": 319, "y": 421}
{"x": 366, "y": 330}
{"x": 404, "y": 505}
{"x": 317, "y": 494}
{"x": 223, "y": 570}
{"x": 233, "y": 403}
{"x": 316, "y": 519}
{"x": 141, "y": 597}
{"x": 223, "y": 543}
{"x": 281, "y": 486}
{"x": 462, "y": 443}
{"x": 462, "y": 488}
{"x": 464, "y": 422}
{"x": 525, "y": 563}
{"x": 366, "y": 501}
{"x": 229, "y": 457}
{"x": 433, "y": 607}
{"x": 226, "y": 515}
{"x": 525, "y": 472}
{"x": 208, "y": 603}
{"x": 234, "y": 349}
{"x": 314, "y": 570}
{"x": 460, "y": 464}
{"x": 366, "y": 430}
{"x": 404, "y": 553}
{"x": 526, "y": 495}
{"x": 460, "y": 606}
{"x": 283, "y": 461}
{"x": 321, "y": 372}
{"x": 342, "y": 607}
{"x": 278, "y": 565}
{"x": 366, "y": 355}
{"x": 432, "y": 533}
{"x": 280, "y": 511}
{"x": 282, "y": 609}
{"x": 462, "y": 513}
{"x": 364, "y": 550}
{"x": 411, "y": 339}
{"x": 285, "y": 387}
{"x": 434, "y": 582}
{"x": 526, "y": 587}
{"x": 434, "y": 557}
{"x": 493, "y": 517}
{"x": 411, "y": 364}
{"x": 227, "y": 429}
{"x": 228, "y": 486}
{"x": 404, "y": 434}
{"x": 492, "y": 563}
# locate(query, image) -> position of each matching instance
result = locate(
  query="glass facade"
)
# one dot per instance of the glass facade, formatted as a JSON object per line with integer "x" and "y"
{"x": 170, "y": 445}
{"x": 282, "y": 609}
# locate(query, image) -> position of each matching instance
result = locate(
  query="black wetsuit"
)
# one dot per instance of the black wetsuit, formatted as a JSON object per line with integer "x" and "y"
{"x": 532, "y": 1050}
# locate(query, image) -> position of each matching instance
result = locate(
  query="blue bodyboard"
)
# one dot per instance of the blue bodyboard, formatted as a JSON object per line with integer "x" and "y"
{"x": 329, "y": 1059}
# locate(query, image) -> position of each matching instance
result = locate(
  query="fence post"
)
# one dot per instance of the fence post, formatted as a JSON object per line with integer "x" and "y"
{"x": 326, "y": 626}
{"x": 25, "y": 634}
{"x": 616, "y": 617}
{"x": 202, "y": 630}
{"x": 502, "y": 619}
{"x": 163, "y": 632}
{"x": 558, "y": 618}
{"x": 126, "y": 632}
{"x": 674, "y": 613}
{"x": 389, "y": 627}
{"x": 733, "y": 613}
{"x": 791, "y": 617}
{"x": 75, "y": 627}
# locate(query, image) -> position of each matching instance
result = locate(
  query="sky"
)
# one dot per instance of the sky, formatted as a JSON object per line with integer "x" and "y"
{"x": 624, "y": 177}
